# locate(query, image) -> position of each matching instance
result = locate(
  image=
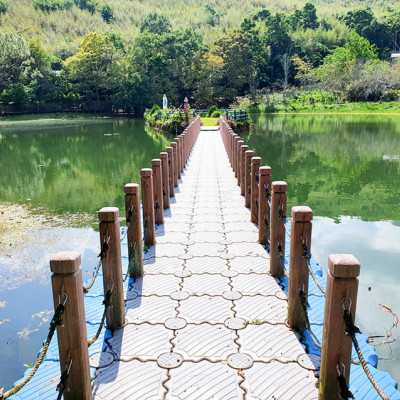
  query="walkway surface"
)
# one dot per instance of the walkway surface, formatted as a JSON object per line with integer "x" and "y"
{"x": 206, "y": 321}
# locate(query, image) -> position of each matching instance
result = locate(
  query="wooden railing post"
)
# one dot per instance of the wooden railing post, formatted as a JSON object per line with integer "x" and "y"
{"x": 278, "y": 217}
{"x": 132, "y": 212}
{"x": 157, "y": 191}
{"x": 255, "y": 165}
{"x": 341, "y": 294}
{"x": 149, "y": 229}
{"x": 183, "y": 136}
{"x": 174, "y": 164}
{"x": 165, "y": 179}
{"x": 264, "y": 194}
{"x": 170, "y": 152}
{"x": 236, "y": 138}
{"x": 72, "y": 339}
{"x": 300, "y": 237}
{"x": 247, "y": 178}
{"x": 177, "y": 140}
{"x": 240, "y": 143}
{"x": 243, "y": 150}
{"x": 112, "y": 266}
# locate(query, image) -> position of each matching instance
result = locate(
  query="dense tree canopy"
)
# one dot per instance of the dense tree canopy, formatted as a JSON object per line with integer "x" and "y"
{"x": 266, "y": 51}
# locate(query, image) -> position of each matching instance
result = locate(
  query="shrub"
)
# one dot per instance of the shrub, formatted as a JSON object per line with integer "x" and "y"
{"x": 212, "y": 110}
{"x": 154, "y": 109}
{"x": 3, "y": 7}
{"x": 53, "y": 5}
{"x": 107, "y": 13}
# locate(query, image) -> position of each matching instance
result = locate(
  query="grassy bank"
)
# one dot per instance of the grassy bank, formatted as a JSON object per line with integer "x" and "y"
{"x": 296, "y": 101}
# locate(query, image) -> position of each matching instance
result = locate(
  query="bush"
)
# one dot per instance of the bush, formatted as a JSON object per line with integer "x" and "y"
{"x": 3, "y": 7}
{"x": 217, "y": 114}
{"x": 211, "y": 111}
{"x": 107, "y": 13}
{"x": 53, "y": 5}
{"x": 154, "y": 109}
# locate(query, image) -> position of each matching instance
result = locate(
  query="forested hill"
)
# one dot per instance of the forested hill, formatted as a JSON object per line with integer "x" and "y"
{"x": 91, "y": 54}
{"x": 60, "y": 24}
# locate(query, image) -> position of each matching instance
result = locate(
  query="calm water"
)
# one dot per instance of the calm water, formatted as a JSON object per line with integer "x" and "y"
{"x": 347, "y": 169}
{"x": 334, "y": 164}
{"x": 67, "y": 169}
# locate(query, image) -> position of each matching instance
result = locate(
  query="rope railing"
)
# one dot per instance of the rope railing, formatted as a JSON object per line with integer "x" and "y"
{"x": 351, "y": 330}
{"x": 62, "y": 385}
{"x": 106, "y": 303}
{"x": 304, "y": 305}
{"x": 102, "y": 255}
{"x": 307, "y": 256}
{"x": 55, "y": 321}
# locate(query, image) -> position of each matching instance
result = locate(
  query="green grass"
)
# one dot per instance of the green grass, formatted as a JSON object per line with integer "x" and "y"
{"x": 209, "y": 121}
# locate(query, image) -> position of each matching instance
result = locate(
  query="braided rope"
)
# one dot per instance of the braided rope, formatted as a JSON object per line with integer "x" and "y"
{"x": 56, "y": 321}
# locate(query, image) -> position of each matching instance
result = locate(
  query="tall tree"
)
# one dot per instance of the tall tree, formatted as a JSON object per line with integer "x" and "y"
{"x": 93, "y": 69}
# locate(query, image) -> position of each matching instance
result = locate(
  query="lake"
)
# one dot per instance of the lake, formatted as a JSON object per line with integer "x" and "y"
{"x": 345, "y": 167}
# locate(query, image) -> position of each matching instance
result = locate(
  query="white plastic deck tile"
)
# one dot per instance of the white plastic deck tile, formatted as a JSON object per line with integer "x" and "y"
{"x": 206, "y": 321}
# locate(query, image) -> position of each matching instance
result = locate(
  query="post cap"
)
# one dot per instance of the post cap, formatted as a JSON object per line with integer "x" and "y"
{"x": 146, "y": 172}
{"x": 244, "y": 147}
{"x": 256, "y": 160}
{"x": 163, "y": 155}
{"x": 302, "y": 214}
{"x": 174, "y": 144}
{"x": 177, "y": 139}
{"x": 131, "y": 188}
{"x": 265, "y": 170}
{"x": 65, "y": 262}
{"x": 156, "y": 162}
{"x": 169, "y": 149}
{"x": 279, "y": 186}
{"x": 240, "y": 141}
{"x": 108, "y": 214}
{"x": 249, "y": 153}
{"x": 343, "y": 266}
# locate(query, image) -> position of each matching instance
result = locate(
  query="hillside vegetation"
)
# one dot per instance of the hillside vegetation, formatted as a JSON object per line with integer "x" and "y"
{"x": 61, "y": 30}
{"x": 94, "y": 55}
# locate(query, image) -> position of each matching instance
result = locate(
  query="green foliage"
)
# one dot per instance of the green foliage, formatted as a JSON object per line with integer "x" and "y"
{"x": 156, "y": 23}
{"x": 53, "y": 5}
{"x": 89, "y": 5}
{"x": 107, "y": 13}
{"x": 16, "y": 93}
{"x": 3, "y": 7}
{"x": 154, "y": 109}
{"x": 211, "y": 111}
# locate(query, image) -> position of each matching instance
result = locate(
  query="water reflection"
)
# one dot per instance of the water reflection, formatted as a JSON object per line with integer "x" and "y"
{"x": 78, "y": 168}
{"x": 336, "y": 164}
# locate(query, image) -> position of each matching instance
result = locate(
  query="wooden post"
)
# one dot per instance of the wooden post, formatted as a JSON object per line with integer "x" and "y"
{"x": 240, "y": 143}
{"x": 278, "y": 215}
{"x": 149, "y": 229}
{"x": 254, "y": 179}
{"x": 300, "y": 236}
{"x": 247, "y": 178}
{"x": 132, "y": 211}
{"x": 178, "y": 156}
{"x": 236, "y": 139}
{"x": 174, "y": 146}
{"x": 165, "y": 179}
{"x": 264, "y": 194}
{"x": 183, "y": 136}
{"x": 341, "y": 293}
{"x": 243, "y": 150}
{"x": 112, "y": 266}
{"x": 72, "y": 338}
{"x": 157, "y": 191}
{"x": 170, "y": 151}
